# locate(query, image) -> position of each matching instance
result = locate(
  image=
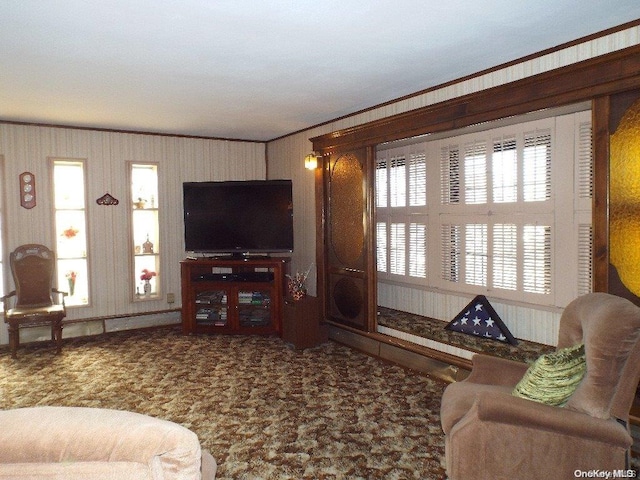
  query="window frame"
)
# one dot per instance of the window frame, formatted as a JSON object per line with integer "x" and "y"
{"x": 137, "y": 253}
{"x": 66, "y": 287}
{"x": 407, "y": 212}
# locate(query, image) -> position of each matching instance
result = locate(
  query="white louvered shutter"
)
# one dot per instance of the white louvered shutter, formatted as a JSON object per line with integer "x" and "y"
{"x": 475, "y": 245}
{"x": 536, "y": 166}
{"x": 397, "y": 248}
{"x": 504, "y": 169}
{"x": 450, "y": 175}
{"x": 418, "y": 250}
{"x": 451, "y": 243}
{"x": 536, "y": 259}
{"x": 505, "y": 256}
{"x": 475, "y": 173}
{"x": 381, "y": 249}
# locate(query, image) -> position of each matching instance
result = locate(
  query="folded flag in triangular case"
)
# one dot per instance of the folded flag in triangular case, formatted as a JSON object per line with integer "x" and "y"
{"x": 480, "y": 319}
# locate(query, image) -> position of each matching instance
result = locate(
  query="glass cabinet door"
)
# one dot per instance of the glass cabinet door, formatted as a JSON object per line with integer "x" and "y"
{"x": 254, "y": 308}
{"x": 212, "y": 308}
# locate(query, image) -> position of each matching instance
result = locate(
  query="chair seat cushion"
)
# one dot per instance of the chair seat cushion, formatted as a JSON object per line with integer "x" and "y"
{"x": 458, "y": 398}
{"x": 19, "y": 312}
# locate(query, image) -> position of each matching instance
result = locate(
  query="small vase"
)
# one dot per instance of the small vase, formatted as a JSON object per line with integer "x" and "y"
{"x": 299, "y": 294}
{"x": 147, "y": 288}
{"x": 297, "y": 289}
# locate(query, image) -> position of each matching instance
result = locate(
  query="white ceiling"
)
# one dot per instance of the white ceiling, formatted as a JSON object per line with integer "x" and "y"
{"x": 260, "y": 69}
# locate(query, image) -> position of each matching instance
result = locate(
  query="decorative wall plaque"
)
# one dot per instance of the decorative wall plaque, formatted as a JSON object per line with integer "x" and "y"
{"x": 27, "y": 190}
{"x": 107, "y": 199}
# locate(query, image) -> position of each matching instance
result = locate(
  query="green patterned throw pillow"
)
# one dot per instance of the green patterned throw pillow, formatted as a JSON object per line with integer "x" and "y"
{"x": 553, "y": 377}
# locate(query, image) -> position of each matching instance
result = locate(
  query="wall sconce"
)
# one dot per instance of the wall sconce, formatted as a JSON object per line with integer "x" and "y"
{"x": 311, "y": 161}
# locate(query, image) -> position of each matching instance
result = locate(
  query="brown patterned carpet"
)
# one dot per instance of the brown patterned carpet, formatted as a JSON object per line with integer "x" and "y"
{"x": 263, "y": 410}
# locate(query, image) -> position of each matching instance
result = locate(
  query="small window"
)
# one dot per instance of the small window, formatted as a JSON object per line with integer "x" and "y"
{"x": 145, "y": 230}
{"x": 71, "y": 230}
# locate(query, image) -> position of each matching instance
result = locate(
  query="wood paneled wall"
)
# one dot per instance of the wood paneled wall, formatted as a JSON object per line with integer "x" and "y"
{"x": 290, "y": 150}
{"x": 180, "y": 159}
{"x": 25, "y": 147}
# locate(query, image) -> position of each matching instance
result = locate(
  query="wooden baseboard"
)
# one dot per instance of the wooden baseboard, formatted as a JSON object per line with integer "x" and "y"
{"x": 393, "y": 350}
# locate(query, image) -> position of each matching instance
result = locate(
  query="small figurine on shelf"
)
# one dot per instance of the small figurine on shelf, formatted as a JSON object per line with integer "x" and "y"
{"x": 140, "y": 204}
{"x": 297, "y": 284}
{"x": 147, "y": 247}
{"x": 146, "y": 276}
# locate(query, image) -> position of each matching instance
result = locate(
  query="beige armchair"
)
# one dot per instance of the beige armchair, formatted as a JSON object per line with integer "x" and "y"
{"x": 75, "y": 443}
{"x": 491, "y": 434}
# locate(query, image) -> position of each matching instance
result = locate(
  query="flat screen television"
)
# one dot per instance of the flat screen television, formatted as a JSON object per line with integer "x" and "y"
{"x": 238, "y": 217}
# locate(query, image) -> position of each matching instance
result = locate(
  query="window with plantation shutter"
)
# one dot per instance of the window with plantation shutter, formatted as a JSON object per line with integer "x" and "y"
{"x": 401, "y": 197}
{"x": 507, "y": 211}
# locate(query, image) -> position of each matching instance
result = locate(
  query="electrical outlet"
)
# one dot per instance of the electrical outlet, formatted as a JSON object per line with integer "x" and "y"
{"x": 171, "y": 297}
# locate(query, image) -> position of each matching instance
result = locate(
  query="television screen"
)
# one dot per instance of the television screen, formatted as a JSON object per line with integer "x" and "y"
{"x": 253, "y": 216}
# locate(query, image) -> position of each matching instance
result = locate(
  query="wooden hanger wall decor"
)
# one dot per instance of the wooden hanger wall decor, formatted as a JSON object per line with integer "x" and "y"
{"x": 107, "y": 199}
